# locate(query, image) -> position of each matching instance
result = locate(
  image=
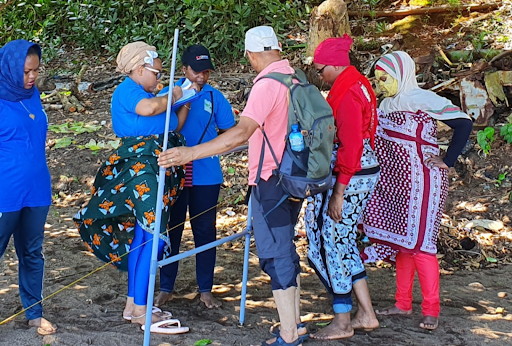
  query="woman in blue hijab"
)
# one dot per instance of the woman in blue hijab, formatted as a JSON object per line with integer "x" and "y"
{"x": 26, "y": 188}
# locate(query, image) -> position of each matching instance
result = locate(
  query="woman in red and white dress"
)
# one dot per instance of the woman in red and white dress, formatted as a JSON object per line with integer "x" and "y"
{"x": 403, "y": 215}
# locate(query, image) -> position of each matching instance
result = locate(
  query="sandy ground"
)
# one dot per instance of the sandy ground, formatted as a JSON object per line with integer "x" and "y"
{"x": 89, "y": 312}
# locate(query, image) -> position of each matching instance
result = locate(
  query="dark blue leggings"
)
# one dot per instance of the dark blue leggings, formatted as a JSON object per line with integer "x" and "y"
{"x": 27, "y": 227}
{"x": 139, "y": 261}
{"x": 197, "y": 198}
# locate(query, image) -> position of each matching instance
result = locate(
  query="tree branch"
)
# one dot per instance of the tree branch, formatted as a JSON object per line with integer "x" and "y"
{"x": 403, "y": 13}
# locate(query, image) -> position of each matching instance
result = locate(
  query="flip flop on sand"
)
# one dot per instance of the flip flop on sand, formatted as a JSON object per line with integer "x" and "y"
{"x": 302, "y": 337}
{"x": 429, "y": 323}
{"x": 155, "y": 310}
{"x": 166, "y": 327}
{"x": 45, "y": 327}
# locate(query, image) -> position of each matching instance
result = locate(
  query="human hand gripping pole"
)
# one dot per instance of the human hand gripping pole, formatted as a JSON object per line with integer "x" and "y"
{"x": 176, "y": 156}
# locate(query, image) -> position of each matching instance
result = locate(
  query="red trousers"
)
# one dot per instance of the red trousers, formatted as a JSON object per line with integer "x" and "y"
{"x": 428, "y": 274}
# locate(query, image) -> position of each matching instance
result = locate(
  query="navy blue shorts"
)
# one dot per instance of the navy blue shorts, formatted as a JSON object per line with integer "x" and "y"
{"x": 274, "y": 225}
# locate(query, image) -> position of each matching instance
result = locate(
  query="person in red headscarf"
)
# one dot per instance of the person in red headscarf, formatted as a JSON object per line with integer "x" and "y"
{"x": 332, "y": 217}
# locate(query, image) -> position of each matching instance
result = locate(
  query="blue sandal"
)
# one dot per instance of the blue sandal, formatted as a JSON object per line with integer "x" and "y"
{"x": 280, "y": 342}
{"x": 302, "y": 338}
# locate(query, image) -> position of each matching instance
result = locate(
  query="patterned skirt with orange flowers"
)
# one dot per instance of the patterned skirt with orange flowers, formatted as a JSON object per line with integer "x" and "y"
{"x": 125, "y": 192}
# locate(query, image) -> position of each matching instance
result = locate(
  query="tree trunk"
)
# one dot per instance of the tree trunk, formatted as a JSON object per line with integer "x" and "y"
{"x": 329, "y": 19}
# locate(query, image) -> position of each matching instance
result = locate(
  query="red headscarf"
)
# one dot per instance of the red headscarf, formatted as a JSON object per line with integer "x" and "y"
{"x": 333, "y": 51}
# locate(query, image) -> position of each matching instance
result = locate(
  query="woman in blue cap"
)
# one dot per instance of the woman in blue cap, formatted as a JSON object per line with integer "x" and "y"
{"x": 210, "y": 113}
{"x": 27, "y": 184}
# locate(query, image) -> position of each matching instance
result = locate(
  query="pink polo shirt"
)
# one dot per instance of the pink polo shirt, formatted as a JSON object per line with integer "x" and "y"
{"x": 268, "y": 104}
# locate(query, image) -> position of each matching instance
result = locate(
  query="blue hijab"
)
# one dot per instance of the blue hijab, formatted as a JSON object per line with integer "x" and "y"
{"x": 12, "y": 67}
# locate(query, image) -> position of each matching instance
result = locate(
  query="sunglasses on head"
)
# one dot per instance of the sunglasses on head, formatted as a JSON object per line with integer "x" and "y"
{"x": 158, "y": 74}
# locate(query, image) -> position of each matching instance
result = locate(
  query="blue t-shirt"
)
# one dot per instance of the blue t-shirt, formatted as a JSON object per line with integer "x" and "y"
{"x": 24, "y": 175}
{"x": 127, "y": 123}
{"x": 207, "y": 171}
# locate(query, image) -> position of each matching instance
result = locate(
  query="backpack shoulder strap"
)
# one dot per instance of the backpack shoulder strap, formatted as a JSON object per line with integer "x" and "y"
{"x": 301, "y": 76}
{"x": 286, "y": 79}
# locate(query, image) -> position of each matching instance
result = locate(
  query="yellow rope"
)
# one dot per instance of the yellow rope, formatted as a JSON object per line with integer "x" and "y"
{"x": 97, "y": 270}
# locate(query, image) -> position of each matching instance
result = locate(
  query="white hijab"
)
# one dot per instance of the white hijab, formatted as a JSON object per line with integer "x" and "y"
{"x": 410, "y": 97}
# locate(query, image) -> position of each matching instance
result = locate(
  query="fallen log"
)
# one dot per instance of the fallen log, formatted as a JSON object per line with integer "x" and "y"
{"x": 68, "y": 106}
{"x": 501, "y": 55}
{"x": 443, "y": 85}
{"x": 425, "y": 10}
{"x": 54, "y": 99}
{"x": 457, "y": 56}
{"x": 74, "y": 101}
{"x": 52, "y": 107}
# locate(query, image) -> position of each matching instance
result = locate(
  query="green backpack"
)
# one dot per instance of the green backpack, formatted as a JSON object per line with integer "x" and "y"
{"x": 307, "y": 172}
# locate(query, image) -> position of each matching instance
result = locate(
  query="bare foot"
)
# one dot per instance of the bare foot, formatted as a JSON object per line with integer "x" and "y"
{"x": 333, "y": 332}
{"x": 44, "y": 327}
{"x": 393, "y": 311}
{"x": 162, "y": 298}
{"x": 366, "y": 323}
{"x": 128, "y": 309}
{"x": 208, "y": 300}
{"x": 339, "y": 328}
{"x": 139, "y": 315}
{"x": 155, "y": 317}
{"x": 429, "y": 322}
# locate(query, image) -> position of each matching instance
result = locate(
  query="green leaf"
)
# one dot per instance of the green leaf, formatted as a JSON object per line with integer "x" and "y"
{"x": 231, "y": 170}
{"x": 63, "y": 128}
{"x": 491, "y": 259}
{"x": 323, "y": 324}
{"x": 239, "y": 199}
{"x": 489, "y": 132}
{"x": 63, "y": 142}
{"x": 203, "y": 342}
{"x": 115, "y": 143}
{"x": 481, "y": 137}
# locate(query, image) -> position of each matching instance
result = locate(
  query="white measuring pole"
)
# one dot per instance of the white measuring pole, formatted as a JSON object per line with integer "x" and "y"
{"x": 159, "y": 202}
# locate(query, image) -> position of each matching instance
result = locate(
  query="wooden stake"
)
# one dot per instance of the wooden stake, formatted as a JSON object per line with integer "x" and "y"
{"x": 74, "y": 85}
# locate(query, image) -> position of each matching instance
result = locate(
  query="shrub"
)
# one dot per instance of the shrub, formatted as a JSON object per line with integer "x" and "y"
{"x": 105, "y": 24}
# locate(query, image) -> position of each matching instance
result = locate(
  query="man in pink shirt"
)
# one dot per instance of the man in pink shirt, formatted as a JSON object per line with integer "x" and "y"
{"x": 267, "y": 108}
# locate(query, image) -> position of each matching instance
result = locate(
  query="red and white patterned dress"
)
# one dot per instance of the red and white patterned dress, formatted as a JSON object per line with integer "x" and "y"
{"x": 404, "y": 212}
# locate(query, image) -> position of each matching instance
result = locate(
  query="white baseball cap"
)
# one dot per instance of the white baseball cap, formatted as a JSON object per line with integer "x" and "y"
{"x": 261, "y": 38}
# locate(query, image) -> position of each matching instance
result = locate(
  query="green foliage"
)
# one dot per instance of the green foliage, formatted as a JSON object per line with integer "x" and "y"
{"x": 95, "y": 146}
{"x": 220, "y": 25}
{"x": 381, "y": 27}
{"x": 63, "y": 142}
{"x": 501, "y": 177}
{"x": 75, "y": 127}
{"x": 506, "y": 133}
{"x": 371, "y": 3}
{"x": 485, "y": 138}
{"x": 203, "y": 342}
{"x": 480, "y": 40}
